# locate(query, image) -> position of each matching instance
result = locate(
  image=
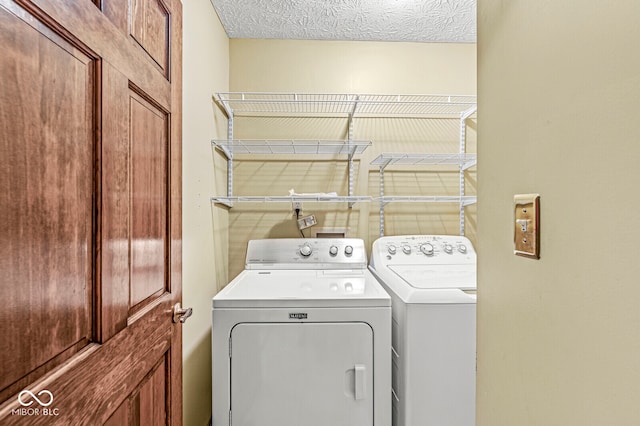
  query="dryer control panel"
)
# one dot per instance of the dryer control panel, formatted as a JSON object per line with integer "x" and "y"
{"x": 306, "y": 253}
{"x": 423, "y": 250}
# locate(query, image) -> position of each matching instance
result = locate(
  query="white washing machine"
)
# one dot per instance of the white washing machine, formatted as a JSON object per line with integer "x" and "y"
{"x": 432, "y": 283}
{"x": 302, "y": 337}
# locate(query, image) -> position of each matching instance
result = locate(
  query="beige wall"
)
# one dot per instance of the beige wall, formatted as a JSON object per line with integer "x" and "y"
{"x": 347, "y": 67}
{"x": 559, "y": 337}
{"x": 205, "y": 70}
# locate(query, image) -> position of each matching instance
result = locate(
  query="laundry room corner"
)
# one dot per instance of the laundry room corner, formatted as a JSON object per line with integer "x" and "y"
{"x": 206, "y": 70}
{"x": 350, "y": 67}
{"x": 215, "y": 235}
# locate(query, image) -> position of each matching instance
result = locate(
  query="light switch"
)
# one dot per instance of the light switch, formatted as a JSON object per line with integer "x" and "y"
{"x": 527, "y": 225}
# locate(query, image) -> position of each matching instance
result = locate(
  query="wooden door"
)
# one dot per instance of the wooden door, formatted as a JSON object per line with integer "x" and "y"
{"x": 90, "y": 212}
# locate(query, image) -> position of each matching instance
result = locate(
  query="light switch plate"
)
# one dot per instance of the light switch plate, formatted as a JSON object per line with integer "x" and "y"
{"x": 526, "y": 236}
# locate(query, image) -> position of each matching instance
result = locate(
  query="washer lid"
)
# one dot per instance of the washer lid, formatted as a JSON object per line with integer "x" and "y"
{"x": 430, "y": 293}
{"x": 302, "y": 288}
{"x": 461, "y": 277}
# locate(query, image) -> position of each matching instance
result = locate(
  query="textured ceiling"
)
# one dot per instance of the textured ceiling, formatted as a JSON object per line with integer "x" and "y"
{"x": 377, "y": 20}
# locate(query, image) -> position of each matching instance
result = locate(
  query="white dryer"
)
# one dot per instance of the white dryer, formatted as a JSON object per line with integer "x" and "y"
{"x": 302, "y": 337}
{"x": 432, "y": 283}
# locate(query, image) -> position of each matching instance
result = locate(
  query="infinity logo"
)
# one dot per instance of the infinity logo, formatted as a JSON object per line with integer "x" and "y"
{"x": 28, "y": 403}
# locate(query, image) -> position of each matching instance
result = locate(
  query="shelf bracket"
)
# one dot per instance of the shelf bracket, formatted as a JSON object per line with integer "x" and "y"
{"x": 468, "y": 113}
{"x": 225, "y": 105}
{"x": 224, "y": 150}
{"x": 224, "y": 201}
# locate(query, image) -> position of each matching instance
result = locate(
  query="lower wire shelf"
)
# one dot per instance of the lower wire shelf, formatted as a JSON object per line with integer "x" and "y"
{"x": 464, "y": 200}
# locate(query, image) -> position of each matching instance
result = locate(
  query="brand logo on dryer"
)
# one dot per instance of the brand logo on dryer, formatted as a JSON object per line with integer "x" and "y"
{"x": 298, "y": 315}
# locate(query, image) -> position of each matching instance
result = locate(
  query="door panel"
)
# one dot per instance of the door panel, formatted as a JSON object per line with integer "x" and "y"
{"x": 315, "y": 374}
{"x": 117, "y": 11}
{"x": 115, "y": 235}
{"x": 150, "y": 28}
{"x": 46, "y": 201}
{"x": 148, "y": 145}
{"x": 90, "y": 186}
{"x": 121, "y": 415}
{"x": 150, "y": 402}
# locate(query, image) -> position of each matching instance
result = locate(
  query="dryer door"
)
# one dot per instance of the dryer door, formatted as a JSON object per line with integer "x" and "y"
{"x": 302, "y": 374}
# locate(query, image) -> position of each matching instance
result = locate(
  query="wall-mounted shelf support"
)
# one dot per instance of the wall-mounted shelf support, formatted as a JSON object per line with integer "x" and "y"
{"x": 229, "y": 149}
{"x": 463, "y": 148}
{"x": 382, "y": 203}
{"x": 229, "y": 154}
{"x": 350, "y": 139}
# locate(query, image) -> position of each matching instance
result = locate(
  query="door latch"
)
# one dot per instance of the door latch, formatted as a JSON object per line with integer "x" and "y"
{"x": 181, "y": 314}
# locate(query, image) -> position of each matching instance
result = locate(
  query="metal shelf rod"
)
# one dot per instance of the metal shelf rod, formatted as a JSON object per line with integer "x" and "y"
{"x": 230, "y": 156}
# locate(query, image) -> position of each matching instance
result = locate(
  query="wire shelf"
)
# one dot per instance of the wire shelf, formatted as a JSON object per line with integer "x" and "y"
{"x": 463, "y": 201}
{"x": 356, "y": 105}
{"x": 389, "y": 159}
{"x": 311, "y": 147}
{"x": 350, "y": 106}
{"x": 229, "y": 201}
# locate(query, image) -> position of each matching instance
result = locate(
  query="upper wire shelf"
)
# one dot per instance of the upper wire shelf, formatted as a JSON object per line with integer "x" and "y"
{"x": 343, "y": 105}
{"x": 285, "y": 146}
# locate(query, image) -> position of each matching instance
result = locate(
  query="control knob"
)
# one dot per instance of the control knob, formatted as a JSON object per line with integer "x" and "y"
{"x": 348, "y": 250}
{"x": 427, "y": 249}
{"x": 333, "y": 250}
{"x": 306, "y": 250}
{"x": 448, "y": 248}
{"x": 406, "y": 248}
{"x": 462, "y": 248}
{"x": 391, "y": 249}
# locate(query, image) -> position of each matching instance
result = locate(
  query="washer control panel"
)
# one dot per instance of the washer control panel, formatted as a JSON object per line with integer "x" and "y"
{"x": 424, "y": 249}
{"x": 311, "y": 253}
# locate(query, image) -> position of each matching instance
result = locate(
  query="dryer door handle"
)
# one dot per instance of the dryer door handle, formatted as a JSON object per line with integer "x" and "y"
{"x": 360, "y": 381}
